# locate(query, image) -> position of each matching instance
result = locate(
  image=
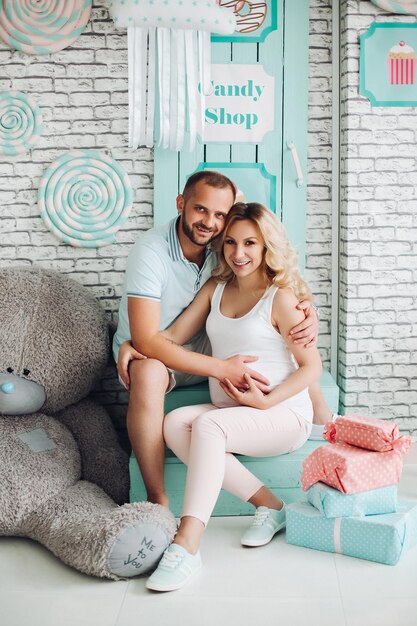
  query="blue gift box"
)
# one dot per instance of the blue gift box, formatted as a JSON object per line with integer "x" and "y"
{"x": 333, "y": 503}
{"x": 381, "y": 538}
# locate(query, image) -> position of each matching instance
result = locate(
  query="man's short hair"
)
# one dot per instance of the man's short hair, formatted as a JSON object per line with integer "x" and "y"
{"x": 214, "y": 179}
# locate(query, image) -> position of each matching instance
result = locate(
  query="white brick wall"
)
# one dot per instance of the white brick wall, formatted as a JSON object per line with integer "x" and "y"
{"x": 378, "y": 331}
{"x": 318, "y": 248}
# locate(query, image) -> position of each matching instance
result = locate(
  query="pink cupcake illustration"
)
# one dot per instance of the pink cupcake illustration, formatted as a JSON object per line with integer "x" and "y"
{"x": 402, "y": 64}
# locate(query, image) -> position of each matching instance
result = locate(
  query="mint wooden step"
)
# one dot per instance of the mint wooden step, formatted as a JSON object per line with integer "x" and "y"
{"x": 281, "y": 473}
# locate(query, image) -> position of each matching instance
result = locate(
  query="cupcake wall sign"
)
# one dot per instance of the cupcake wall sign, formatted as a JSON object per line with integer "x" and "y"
{"x": 402, "y": 64}
{"x": 388, "y": 64}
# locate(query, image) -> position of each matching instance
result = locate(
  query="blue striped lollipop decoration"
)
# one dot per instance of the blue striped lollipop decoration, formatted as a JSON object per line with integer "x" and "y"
{"x": 42, "y": 26}
{"x": 84, "y": 198}
{"x": 403, "y": 7}
{"x": 20, "y": 123}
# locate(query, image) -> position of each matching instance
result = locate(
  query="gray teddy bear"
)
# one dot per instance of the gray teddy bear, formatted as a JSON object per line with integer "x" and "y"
{"x": 62, "y": 469}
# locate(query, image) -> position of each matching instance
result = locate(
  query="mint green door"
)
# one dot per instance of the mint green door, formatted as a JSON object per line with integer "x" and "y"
{"x": 255, "y": 117}
{"x": 269, "y": 63}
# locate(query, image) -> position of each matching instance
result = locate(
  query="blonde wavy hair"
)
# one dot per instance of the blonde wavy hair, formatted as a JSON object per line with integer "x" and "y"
{"x": 280, "y": 262}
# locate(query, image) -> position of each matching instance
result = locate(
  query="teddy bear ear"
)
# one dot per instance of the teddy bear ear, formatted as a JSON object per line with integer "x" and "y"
{"x": 15, "y": 311}
{"x": 59, "y": 330}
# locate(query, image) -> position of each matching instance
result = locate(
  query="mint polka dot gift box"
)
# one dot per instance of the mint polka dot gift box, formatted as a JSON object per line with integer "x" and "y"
{"x": 380, "y": 538}
{"x": 333, "y": 503}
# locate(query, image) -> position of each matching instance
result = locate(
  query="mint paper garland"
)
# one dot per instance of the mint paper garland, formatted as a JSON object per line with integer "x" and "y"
{"x": 169, "y": 51}
{"x": 42, "y": 26}
{"x": 20, "y": 123}
{"x": 84, "y": 198}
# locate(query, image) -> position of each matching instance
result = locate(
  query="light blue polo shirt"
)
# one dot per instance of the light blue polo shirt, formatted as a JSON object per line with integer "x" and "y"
{"x": 157, "y": 270}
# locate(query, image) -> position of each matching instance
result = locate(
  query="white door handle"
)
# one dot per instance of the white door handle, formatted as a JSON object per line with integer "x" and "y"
{"x": 297, "y": 164}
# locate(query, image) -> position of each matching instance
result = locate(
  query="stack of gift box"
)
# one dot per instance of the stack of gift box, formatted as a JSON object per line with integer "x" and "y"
{"x": 352, "y": 506}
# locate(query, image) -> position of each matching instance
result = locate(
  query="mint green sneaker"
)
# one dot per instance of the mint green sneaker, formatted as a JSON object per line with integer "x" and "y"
{"x": 266, "y": 523}
{"x": 175, "y": 569}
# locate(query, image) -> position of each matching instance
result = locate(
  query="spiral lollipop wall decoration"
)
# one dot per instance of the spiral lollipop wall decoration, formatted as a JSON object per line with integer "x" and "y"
{"x": 20, "y": 123}
{"x": 403, "y": 7}
{"x": 84, "y": 198}
{"x": 42, "y": 26}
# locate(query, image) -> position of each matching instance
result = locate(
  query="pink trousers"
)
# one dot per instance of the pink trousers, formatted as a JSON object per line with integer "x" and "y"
{"x": 206, "y": 438}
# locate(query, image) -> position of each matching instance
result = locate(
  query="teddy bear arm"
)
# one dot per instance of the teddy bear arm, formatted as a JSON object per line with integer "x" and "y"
{"x": 104, "y": 462}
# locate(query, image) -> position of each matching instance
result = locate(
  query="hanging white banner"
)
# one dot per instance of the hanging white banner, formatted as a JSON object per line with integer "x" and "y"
{"x": 239, "y": 104}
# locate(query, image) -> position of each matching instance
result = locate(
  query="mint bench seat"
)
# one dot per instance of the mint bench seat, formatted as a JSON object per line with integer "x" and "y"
{"x": 280, "y": 473}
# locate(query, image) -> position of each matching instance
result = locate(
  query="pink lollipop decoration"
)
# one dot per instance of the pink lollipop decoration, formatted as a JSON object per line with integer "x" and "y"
{"x": 42, "y": 26}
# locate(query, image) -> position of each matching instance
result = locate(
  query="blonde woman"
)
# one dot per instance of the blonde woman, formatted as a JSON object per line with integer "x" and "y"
{"x": 248, "y": 307}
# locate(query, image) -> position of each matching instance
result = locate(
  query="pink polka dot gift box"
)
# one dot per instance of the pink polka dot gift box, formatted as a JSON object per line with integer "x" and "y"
{"x": 351, "y": 469}
{"x": 367, "y": 432}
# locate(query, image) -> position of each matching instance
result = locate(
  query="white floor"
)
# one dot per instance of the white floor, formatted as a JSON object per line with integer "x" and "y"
{"x": 276, "y": 584}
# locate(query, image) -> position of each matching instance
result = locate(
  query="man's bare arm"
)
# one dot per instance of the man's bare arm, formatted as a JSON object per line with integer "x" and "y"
{"x": 193, "y": 318}
{"x": 144, "y": 318}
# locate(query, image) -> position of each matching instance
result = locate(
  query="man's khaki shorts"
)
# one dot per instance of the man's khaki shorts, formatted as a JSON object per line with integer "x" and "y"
{"x": 200, "y": 344}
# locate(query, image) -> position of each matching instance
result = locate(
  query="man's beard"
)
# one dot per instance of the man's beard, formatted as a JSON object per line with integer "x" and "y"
{"x": 188, "y": 232}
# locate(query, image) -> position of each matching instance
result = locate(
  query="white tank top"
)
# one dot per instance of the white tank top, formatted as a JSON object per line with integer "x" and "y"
{"x": 253, "y": 334}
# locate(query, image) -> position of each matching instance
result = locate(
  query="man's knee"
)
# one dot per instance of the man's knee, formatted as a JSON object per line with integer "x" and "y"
{"x": 146, "y": 374}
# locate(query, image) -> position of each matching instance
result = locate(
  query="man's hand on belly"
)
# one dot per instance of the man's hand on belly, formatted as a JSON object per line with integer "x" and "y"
{"x": 235, "y": 368}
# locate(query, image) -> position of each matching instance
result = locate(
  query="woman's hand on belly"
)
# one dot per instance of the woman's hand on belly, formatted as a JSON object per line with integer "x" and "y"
{"x": 252, "y": 396}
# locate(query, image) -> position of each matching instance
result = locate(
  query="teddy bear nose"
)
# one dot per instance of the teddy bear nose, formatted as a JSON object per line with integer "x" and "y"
{"x": 7, "y": 387}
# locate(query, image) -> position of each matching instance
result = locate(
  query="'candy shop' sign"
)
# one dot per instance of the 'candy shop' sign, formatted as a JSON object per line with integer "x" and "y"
{"x": 239, "y": 104}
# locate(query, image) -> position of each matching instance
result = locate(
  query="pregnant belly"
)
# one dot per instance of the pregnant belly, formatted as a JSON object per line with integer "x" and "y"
{"x": 218, "y": 397}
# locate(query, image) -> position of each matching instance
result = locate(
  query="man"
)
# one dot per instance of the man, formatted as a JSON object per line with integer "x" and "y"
{"x": 165, "y": 269}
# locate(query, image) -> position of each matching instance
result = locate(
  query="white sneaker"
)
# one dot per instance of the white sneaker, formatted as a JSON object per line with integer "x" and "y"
{"x": 266, "y": 523}
{"x": 318, "y": 429}
{"x": 175, "y": 569}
